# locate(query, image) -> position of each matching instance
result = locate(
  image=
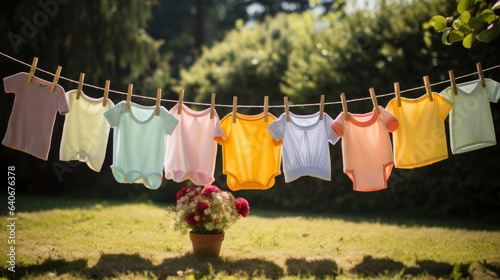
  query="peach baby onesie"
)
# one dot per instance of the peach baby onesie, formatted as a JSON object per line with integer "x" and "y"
{"x": 366, "y": 148}
{"x": 251, "y": 158}
{"x": 191, "y": 148}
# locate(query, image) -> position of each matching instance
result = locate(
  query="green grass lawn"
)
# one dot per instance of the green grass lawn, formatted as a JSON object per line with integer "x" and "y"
{"x": 78, "y": 239}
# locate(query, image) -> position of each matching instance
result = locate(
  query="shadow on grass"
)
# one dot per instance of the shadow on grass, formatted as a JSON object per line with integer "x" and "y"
{"x": 188, "y": 266}
{"x": 116, "y": 265}
{"x": 370, "y": 266}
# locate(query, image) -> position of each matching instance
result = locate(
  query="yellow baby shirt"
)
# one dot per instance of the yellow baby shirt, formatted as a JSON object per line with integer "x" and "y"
{"x": 421, "y": 137}
{"x": 251, "y": 158}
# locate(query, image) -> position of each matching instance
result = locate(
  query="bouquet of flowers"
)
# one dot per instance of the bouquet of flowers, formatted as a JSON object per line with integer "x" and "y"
{"x": 207, "y": 210}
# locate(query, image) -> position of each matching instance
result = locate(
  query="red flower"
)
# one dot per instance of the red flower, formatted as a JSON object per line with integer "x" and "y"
{"x": 184, "y": 191}
{"x": 208, "y": 190}
{"x": 242, "y": 206}
{"x": 191, "y": 218}
{"x": 201, "y": 205}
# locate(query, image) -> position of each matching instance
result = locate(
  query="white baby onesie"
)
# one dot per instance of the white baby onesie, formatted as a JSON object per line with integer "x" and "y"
{"x": 305, "y": 145}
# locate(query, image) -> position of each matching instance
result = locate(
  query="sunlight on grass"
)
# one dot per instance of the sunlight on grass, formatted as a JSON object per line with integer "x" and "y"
{"x": 133, "y": 241}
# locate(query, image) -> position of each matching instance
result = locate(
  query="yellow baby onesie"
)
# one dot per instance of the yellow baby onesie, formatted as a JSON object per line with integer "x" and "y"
{"x": 251, "y": 158}
{"x": 421, "y": 137}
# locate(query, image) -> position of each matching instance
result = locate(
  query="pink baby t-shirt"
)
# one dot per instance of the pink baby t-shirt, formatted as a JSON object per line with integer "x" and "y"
{"x": 366, "y": 148}
{"x": 31, "y": 121}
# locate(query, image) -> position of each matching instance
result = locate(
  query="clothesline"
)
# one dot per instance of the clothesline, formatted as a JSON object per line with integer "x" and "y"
{"x": 249, "y": 106}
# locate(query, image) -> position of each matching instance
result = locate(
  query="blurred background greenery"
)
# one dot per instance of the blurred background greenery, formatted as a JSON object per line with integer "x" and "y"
{"x": 251, "y": 49}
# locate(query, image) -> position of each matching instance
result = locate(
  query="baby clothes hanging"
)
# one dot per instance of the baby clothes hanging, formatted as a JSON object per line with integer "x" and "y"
{"x": 305, "y": 145}
{"x": 471, "y": 123}
{"x": 191, "y": 149}
{"x": 85, "y": 131}
{"x": 421, "y": 137}
{"x": 139, "y": 143}
{"x": 31, "y": 121}
{"x": 366, "y": 148}
{"x": 251, "y": 158}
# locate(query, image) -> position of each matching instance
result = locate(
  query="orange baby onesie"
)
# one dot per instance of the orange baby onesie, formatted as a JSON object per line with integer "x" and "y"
{"x": 251, "y": 158}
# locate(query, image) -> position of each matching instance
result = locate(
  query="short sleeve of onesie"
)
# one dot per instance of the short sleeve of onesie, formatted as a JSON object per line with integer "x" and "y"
{"x": 471, "y": 123}
{"x": 31, "y": 122}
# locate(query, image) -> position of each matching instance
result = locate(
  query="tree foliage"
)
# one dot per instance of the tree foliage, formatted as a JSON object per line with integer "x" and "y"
{"x": 476, "y": 20}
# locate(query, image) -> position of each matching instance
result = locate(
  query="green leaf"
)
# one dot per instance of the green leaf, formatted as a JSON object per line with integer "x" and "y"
{"x": 444, "y": 38}
{"x": 463, "y": 5}
{"x": 490, "y": 33}
{"x": 455, "y": 36}
{"x": 465, "y": 16}
{"x": 488, "y": 15}
{"x": 476, "y": 23}
{"x": 467, "y": 42}
{"x": 465, "y": 28}
{"x": 438, "y": 22}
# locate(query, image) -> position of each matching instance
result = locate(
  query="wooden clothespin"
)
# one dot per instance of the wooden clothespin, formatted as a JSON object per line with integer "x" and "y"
{"x": 179, "y": 105}
{"x": 235, "y": 105}
{"x": 428, "y": 87}
{"x": 287, "y": 112}
{"x": 106, "y": 92}
{"x": 344, "y": 106}
{"x": 129, "y": 97}
{"x": 158, "y": 101}
{"x": 266, "y": 108}
{"x": 374, "y": 100}
{"x": 56, "y": 79}
{"x": 453, "y": 82}
{"x": 397, "y": 91}
{"x": 321, "y": 106}
{"x": 480, "y": 73}
{"x": 32, "y": 69}
{"x": 212, "y": 106}
{"x": 80, "y": 86}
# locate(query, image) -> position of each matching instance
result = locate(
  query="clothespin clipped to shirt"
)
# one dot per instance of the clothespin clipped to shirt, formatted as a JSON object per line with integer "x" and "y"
{"x": 266, "y": 108}
{"x": 321, "y": 106}
{"x": 374, "y": 100}
{"x": 344, "y": 106}
{"x": 158, "y": 101}
{"x": 56, "y": 79}
{"x": 179, "y": 105}
{"x": 397, "y": 91}
{"x": 80, "y": 85}
{"x": 453, "y": 82}
{"x": 129, "y": 97}
{"x": 106, "y": 92}
{"x": 212, "y": 106}
{"x": 32, "y": 69}
{"x": 428, "y": 87}
{"x": 287, "y": 112}
{"x": 235, "y": 105}
{"x": 480, "y": 73}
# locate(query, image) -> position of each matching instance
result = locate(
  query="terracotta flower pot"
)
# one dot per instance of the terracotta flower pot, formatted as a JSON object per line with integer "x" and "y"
{"x": 206, "y": 244}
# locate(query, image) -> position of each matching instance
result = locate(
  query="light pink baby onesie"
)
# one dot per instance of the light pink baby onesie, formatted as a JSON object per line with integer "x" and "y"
{"x": 31, "y": 121}
{"x": 191, "y": 148}
{"x": 366, "y": 148}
